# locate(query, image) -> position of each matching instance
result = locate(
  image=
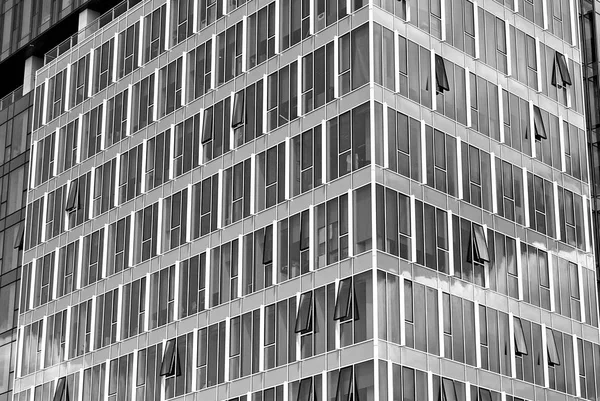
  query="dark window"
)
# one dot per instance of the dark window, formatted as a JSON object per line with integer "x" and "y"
{"x": 19, "y": 237}
{"x": 480, "y": 245}
{"x": 170, "y": 361}
{"x": 207, "y": 126}
{"x": 448, "y": 390}
{"x": 538, "y": 122}
{"x": 343, "y": 391}
{"x": 268, "y": 245}
{"x": 553, "y": 357}
{"x": 239, "y": 115}
{"x": 73, "y": 198}
{"x": 485, "y": 395}
{"x": 342, "y": 302}
{"x": 305, "y": 389}
{"x": 303, "y": 318}
{"x": 441, "y": 78}
{"x": 520, "y": 345}
{"x": 61, "y": 389}
{"x": 561, "y": 75}
{"x": 304, "y": 230}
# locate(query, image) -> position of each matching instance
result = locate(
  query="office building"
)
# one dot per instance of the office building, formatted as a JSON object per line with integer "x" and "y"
{"x": 312, "y": 199}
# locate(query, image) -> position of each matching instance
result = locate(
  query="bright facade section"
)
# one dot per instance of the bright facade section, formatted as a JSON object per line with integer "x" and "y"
{"x": 305, "y": 200}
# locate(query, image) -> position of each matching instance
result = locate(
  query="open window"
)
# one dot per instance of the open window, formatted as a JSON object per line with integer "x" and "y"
{"x": 538, "y": 122}
{"x": 304, "y": 230}
{"x": 304, "y": 316}
{"x": 170, "y": 361}
{"x": 305, "y": 389}
{"x": 61, "y": 393}
{"x": 520, "y": 345}
{"x": 19, "y": 237}
{"x": 239, "y": 115}
{"x": 207, "y": 125}
{"x": 73, "y": 198}
{"x": 268, "y": 245}
{"x": 561, "y": 76}
{"x": 343, "y": 300}
{"x": 484, "y": 395}
{"x": 553, "y": 357}
{"x": 479, "y": 244}
{"x": 343, "y": 390}
{"x": 441, "y": 79}
{"x": 448, "y": 390}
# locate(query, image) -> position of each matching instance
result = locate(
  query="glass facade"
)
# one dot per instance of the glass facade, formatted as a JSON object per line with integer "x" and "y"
{"x": 316, "y": 199}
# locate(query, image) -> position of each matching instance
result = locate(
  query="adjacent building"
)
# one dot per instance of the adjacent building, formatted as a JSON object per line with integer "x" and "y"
{"x": 305, "y": 200}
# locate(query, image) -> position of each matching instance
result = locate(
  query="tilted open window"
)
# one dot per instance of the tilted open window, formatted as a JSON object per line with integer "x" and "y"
{"x": 207, "y": 131}
{"x": 73, "y": 198}
{"x": 560, "y": 72}
{"x": 19, "y": 237}
{"x": 441, "y": 79}
{"x": 170, "y": 361}
{"x": 304, "y": 316}
{"x": 553, "y": 357}
{"x": 448, "y": 390}
{"x": 304, "y": 230}
{"x": 484, "y": 395}
{"x": 305, "y": 389}
{"x": 61, "y": 393}
{"x": 239, "y": 112}
{"x": 343, "y": 300}
{"x": 268, "y": 245}
{"x": 344, "y": 385}
{"x": 479, "y": 243}
{"x": 538, "y": 122}
{"x": 520, "y": 344}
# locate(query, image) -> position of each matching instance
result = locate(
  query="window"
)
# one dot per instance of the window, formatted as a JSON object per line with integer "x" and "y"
{"x": 162, "y": 297}
{"x": 67, "y": 271}
{"x": 224, "y": 273}
{"x": 187, "y": 145}
{"x": 559, "y": 19}
{"x": 236, "y": 192}
{"x": 492, "y": 41}
{"x": 130, "y": 174}
{"x": 331, "y": 231}
{"x": 571, "y": 218}
{"x": 441, "y": 155}
{"x": 94, "y": 379}
{"x": 318, "y": 78}
{"x": 480, "y": 245}
{"x": 54, "y": 213}
{"x": 305, "y": 390}
{"x": 104, "y": 188}
{"x": 553, "y": 357}
{"x": 38, "y": 117}
{"x": 128, "y": 50}
{"x": 79, "y": 81}
{"x": 73, "y": 203}
{"x": 509, "y": 191}
{"x": 215, "y": 130}
{"x": 304, "y": 316}
{"x": 471, "y": 256}
{"x": 524, "y": 57}
{"x": 503, "y": 272}
{"x": 44, "y": 280}
{"x": 261, "y": 35}
{"x": 238, "y": 115}
{"x": 560, "y": 73}
{"x": 169, "y": 87}
{"x": 575, "y": 152}
{"x": 520, "y": 345}
{"x": 536, "y": 281}
{"x": 354, "y": 59}
{"x": 107, "y": 306}
{"x": 451, "y": 102}
{"x": 116, "y": 118}
{"x": 81, "y": 329}
{"x": 198, "y": 78}
{"x": 182, "y": 26}
{"x": 118, "y": 246}
{"x": 258, "y": 270}
{"x": 384, "y": 72}
{"x": 68, "y": 146}
{"x": 204, "y": 206}
{"x": 133, "y": 310}
{"x": 541, "y": 205}
{"x": 120, "y": 377}
{"x": 174, "y": 225}
{"x": 270, "y": 177}
{"x": 343, "y": 299}
{"x": 292, "y": 242}
{"x": 251, "y": 124}
{"x": 306, "y": 161}
{"x": 516, "y": 122}
{"x": 157, "y": 160}
{"x": 192, "y": 276}
{"x": 61, "y": 392}
{"x": 426, "y": 15}
{"x": 494, "y": 340}
{"x": 460, "y": 26}
{"x": 459, "y": 329}
{"x": 441, "y": 79}
{"x": 56, "y": 335}
{"x": 211, "y": 355}
{"x": 393, "y": 222}
{"x": 538, "y": 124}
{"x": 208, "y": 12}
{"x": 294, "y": 20}
{"x": 449, "y": 390}
{"x": 154, "y": 33}
{"x": 415, "y": 71}
{"x": 404, "y": 145}
{"x": 18, "y": 244}
{"x": 477, "y": 177}
{"x": 229, "y": 53}
{"x": 432, "y": 237}
{"x": 91, "y": 134}
{"x": 145, "y": 234}
{"x": 344, "y": 384}
{"x": 32, "y": 348}
{"x": 142, "y": 103}
{"x": 45, "y": 159}
{"x": 56, "y": 95}
{"x": 91, "y": 269}
{"x": 282, "y": 94}
{"x": 103, "y": 65}
{"x": 170, "y": 361}
{"x": 484, "y": 107}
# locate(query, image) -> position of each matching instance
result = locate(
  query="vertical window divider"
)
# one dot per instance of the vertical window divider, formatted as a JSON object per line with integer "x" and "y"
{"x": 162, "y": 378}
{"x": 397, "y": 59}
{"x": 176, "y": 291}
{"x": 586, "y": 226}
{"x": 115, "y": 58}
{"x": 413, "y": 228}
{"x": 129, "y": 100}
{"x": 568, "y": 90}
{"x": 423, "y": 154}
{"x": 551, "y": 282}
{"x": 55, "y": 274}
{"x": 576, "y": 366}
{"x": 350, "y": 223}
{"x": 105, "y": 251}
{"x": 477, "y": 36}
{"x": 134, "y": 364}
{"x": 468, "y": 386}
{"x": 574, "y": 36}
{"x": 117, "y": 178}
{"x": 79, "y": 262}
{"x": 311, "y": 28}
{"x": 299, "y": 85}
{"x": 155, "y": 94}
{"x": 371, "y": 56}
{"x": 336, "y": 67}
{"x": 508, "y": 48}
{"x": 213, "y": 61}
{"x": 131, "y": 242}
{"x": 79, "y": 138}
{"x": 244, "y": 43}
{"x": 450, "y": 241}
{"x": 386, "y": 146}
{"x": 261, "y": 341}
{"x": 171, "y": 151}
{"x": 67, "y": 86}
{"x": 240, "y": 258}
{"x": 194, "y": 386}
{"x": 519, "y": 268}
{"x": 43, "y": 350}
{"x": 207, "y": 283}
{"x": 526, "y": 197}
{"x": 144, "y": 156}
{"x": 511, "y": 341}
{"x": 92, "y": 323}
{"x": 274, "y": 264}
{"x": 200, "y": 145}
{"x": 227, "y": 345}
{"x": 581, "y": 293}
{"x": 45, "y": 106}
{"x": 477, "y": 336}
{"x": 167, "y": 27}
{"x": 311, "y": 238}
{"x": 277, "y": 36}
{"x": 468, "y": 97}
{"x": 532, "y": 129}
{"x": 220, "y": 200}
{"x": 440, "y": 321}
{"x": 33, "y": 162}
{"x": 120, "y": 311}
{"x": 103, "y": 124}
{"x": 336, "y": 285}
{"x": 349, "y": 10}
{"x": 556, "y": 210}
{"x": 298, "y": 336}
{"x": 253, "y": 183}
{"x": 107, "y": 376}
{"x": 545, "y": 355}
{"x": 486, "y": 270}
{"x": 515, "y": 6}
{"x": 146, "y": 301}
{"x": 323, "y": 151}
{"x": 287, "y": 168}
{"x": 545, "y": 15}
{"x": 264, "y": 106}
{"x": 188, "y": 215}
{"x": 56, "y": 152}
{"x": 44, "y": 212}
{"x": 159, "y": 223}
{"x": 80, "y": 380}
{"x": 443, "y": 18}
{"x": 195, "y": 30}
{"x": 500, "y": 113}
{"x": 538, "y": 63}
{"x": 79, "y": 195}
{"x": 140, "y": 55}
{"x": 433, "y": 87}
{"x": 494, "y": 178}
{"x": 91, "y": 74}
{"x": 184, "y": 62}
{"x": 430, "y": 386}
{"x": 231, "y": 110}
